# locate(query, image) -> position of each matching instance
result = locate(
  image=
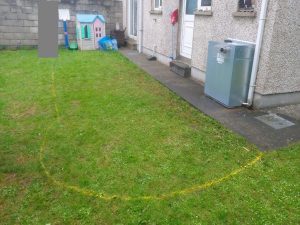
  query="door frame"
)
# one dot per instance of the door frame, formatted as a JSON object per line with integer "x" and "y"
{"x": 129, "y": 19}
{"x": 183, "y": 10}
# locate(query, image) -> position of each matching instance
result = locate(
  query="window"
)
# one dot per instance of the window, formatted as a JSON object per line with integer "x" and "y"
{"x": 86, "y": 32}
{"x": 204, "y": 5}
{"x": 157, "y": 4}
{"x": 246, "y": 5}
{"x": 191, "y": 7}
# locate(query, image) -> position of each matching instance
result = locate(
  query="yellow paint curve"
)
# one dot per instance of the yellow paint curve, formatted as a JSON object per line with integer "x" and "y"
{"x": 108, "y": 197}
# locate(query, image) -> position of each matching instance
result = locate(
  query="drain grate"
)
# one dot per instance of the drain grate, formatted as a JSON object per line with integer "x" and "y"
{"x": 275, "y": 121}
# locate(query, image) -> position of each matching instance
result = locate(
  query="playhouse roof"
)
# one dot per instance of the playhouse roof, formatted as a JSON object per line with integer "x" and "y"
{"x": 89, "y": 18}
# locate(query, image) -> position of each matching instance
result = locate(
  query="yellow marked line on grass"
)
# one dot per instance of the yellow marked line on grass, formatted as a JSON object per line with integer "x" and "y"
{"x": 54, "y": 93}
{"x": 107, "y": 197}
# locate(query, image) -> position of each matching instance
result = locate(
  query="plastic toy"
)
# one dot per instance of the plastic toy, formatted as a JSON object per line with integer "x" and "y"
{"x": 89, "y": 30}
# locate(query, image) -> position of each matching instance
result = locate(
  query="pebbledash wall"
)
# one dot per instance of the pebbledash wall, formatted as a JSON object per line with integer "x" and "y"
{"x": 278, "y": 80}
{"x": 19, "y": 19}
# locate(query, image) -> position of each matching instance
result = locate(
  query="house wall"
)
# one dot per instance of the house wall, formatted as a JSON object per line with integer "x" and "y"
{"x": 278, "y": 79}
{"x": 19, "y": 19}
{"x": 219, "y": 26}
{"x": 280, "y": 66}
{"x": 157, "y": 31}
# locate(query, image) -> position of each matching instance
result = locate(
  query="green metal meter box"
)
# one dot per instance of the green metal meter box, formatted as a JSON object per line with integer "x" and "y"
{"x": 229, "y": 66}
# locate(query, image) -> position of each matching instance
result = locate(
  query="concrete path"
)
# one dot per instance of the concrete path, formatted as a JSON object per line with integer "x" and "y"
{"x": 240, "y": 120}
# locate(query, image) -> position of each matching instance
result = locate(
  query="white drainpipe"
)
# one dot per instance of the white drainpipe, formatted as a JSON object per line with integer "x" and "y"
{"x": 141, "y": 27}
{"x": 259, "y": 39}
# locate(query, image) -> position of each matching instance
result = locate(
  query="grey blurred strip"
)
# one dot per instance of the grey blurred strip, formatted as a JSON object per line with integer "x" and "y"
{"x": 48, "y": 29}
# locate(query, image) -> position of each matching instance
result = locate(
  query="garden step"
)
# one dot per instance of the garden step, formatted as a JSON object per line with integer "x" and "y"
{"x": 132, "y": 44}
{"x": 180, "y": 68}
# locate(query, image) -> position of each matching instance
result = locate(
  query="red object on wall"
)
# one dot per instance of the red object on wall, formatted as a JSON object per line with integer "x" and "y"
{"x": 174, "y": 17}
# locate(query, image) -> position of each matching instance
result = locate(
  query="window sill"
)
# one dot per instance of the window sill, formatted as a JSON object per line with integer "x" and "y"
{"x": 244, "y": 14}
{"x": 203, "y": 13}
{"x": 156, "y": 12}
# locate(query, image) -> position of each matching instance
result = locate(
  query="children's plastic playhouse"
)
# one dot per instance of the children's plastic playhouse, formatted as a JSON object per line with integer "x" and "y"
{"x": 89, "y": 30}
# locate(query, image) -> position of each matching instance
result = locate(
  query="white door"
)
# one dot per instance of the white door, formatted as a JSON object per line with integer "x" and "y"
{"x": 187, "y": 27}
{"x": 132, "y": 18}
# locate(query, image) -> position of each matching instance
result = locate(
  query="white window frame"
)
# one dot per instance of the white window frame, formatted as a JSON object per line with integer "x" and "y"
{"x": 131, "y": 18}
{"x": 204, "y": 8}
{"x": 159, "y": 6}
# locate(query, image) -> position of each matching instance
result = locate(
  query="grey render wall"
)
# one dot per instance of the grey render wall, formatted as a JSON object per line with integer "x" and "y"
{"x": 279, "y": 68}
{"x": 221, "y": 25}
{"x": 157, "y": 28}
{"x": 19, "y": 20}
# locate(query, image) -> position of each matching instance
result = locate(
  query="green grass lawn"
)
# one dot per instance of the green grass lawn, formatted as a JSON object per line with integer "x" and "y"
{"x": 89, "y": 126}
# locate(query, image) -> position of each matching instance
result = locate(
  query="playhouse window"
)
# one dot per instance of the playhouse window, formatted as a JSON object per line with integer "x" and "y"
{"x": 246, "y": 5}
{"x": 96, "y": 28}
{"x": 86, "y": 32}
{"x": 204, "y": 5}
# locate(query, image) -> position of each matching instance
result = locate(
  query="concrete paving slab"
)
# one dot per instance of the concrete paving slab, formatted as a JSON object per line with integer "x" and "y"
{"x": 275, "y": 121}
{"x": 241, "y": 120}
